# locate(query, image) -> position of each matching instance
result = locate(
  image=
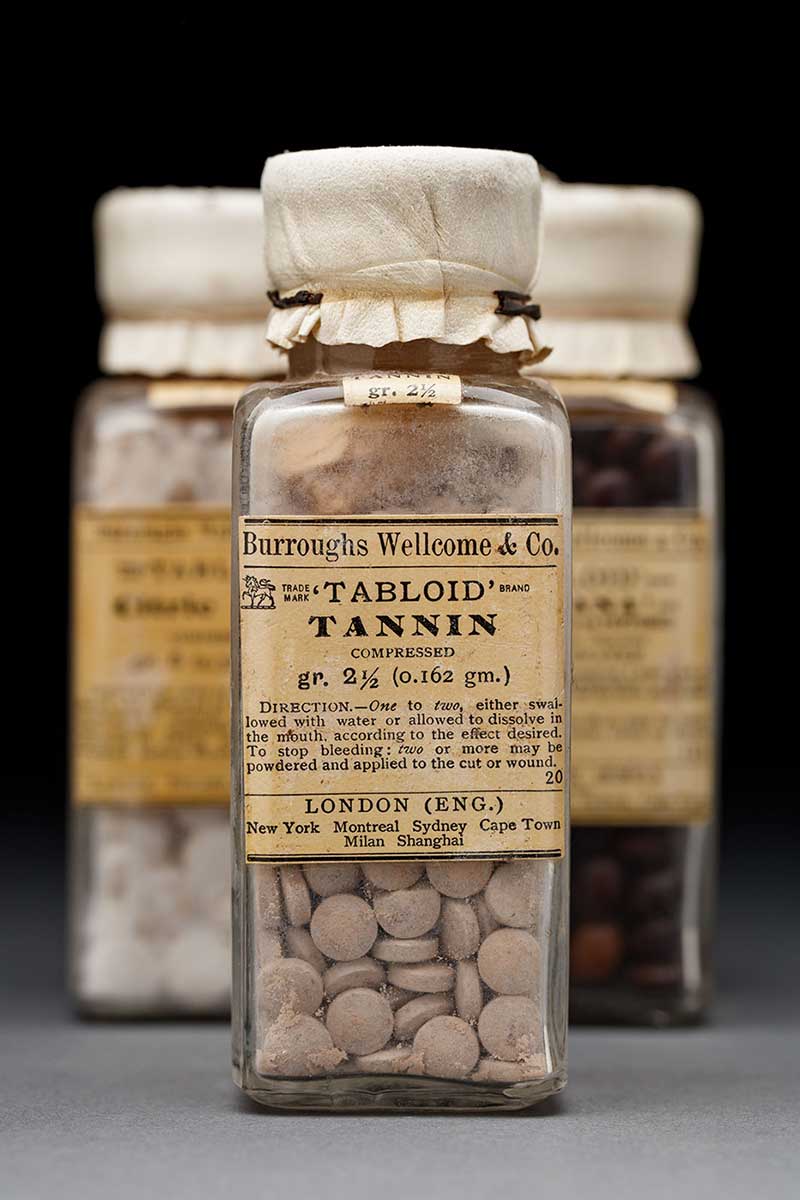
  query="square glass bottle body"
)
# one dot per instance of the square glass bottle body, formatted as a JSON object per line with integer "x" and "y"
{"x": 647, "y": 643}
{"x": 150, "y": 844}
{"x": 301, "y": 452}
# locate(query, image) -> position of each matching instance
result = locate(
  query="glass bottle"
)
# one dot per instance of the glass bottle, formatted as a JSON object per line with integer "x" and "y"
{"x": 150, "y": 845}
{"x": 615, "y": 291}
{"x": 400, "y": 941}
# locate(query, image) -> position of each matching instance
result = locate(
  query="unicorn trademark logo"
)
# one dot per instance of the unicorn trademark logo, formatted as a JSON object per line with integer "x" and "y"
{"x": 258, "y": 593}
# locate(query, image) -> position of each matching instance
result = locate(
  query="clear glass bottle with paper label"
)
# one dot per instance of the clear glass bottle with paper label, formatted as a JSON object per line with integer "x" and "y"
{"x": 615, "y": 290}
{"x": 180, "y": 284}
{"x": 401, "y": 662}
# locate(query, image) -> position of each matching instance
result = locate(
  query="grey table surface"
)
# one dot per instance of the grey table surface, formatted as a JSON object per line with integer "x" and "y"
{"x": 120, "y": 1111}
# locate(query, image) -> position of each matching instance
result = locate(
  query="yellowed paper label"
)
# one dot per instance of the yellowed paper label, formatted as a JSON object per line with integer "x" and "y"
{"x": 398, "y": 387}
{"x": 196, "y": 393}
{"x": 402, "y": 687}
{"x": 150, "y": 671}
{"x": 645, "y": 395}
{"x": 643, "y": 634}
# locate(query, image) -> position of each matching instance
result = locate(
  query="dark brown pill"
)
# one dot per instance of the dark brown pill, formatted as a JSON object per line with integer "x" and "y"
{"x": 620, "y": 447}
{"x": 611, "y": 487}
{"x": 660, "y": 467}
{"x": 596, "y": 951}
{"x": 655, "y": 975}
{"x": 655, "y": 894}
{"x": 597, "y": 888}
{"x": 654, "y": 941}
{"x": 652, "y": 849}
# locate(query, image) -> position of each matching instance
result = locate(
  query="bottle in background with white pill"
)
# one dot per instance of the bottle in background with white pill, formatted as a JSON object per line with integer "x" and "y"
{"x": 401, "y": 646}
{"x": 617, "y": 282}
{"x": 183, "y": 298}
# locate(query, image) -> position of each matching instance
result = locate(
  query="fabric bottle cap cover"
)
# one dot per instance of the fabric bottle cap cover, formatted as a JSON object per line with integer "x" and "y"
{"x": 181, "y": 282}
{"x": 394, "y": 243}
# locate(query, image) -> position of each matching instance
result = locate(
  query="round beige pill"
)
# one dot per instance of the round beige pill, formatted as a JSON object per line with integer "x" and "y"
{"x": 391, "y": 876}
{"x": 395, "y": 997}
{"x": 392, "y": 1060}
{"x": 288, "y": 984}
{"x": 459, "y": 879}
{"x": 405, "y": 950}
{"x": 297, "y": 1045}
{"x": 509, "y": 1028}
{"x": 344, "y": 927}
{"x": 300, "y": 944}
{"x": 269, "y": 946}
{"x": 296, "y": 896}
{"x": 447, "y": 1047}
{"x": 459, "y": 932}
{"x": 509, "y": 962}
{"x": 408, "y": 912}
{"x": 268, "y": 896}
{"x": 422, "y": 977}
{"x": 360, "y": 973}
{"x": 468, "y": 991}
{"x": 412, "y": 1016}
{"x": 511, "y": 894}
{"x": 359, "y": 1021}
{"x": 486, "y": 922}
{"x": 491, "y": 1070}
{"x": 328, "y": 879}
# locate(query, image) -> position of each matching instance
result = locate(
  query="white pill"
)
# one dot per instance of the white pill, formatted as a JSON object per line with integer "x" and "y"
{"x": 511, "y": 894}
{"x": 359, "y": 1021}
{"x": 509, "y": 962}
{"x": 297, "y": 1044}
{"x": 459, "y": 933}
{"x": 344, "y": 927}
{"x": 393, "y": 875}
{"x": 510, "y": 1028}
{"x": 408, "y": 912}
{"x": 492, "y": 1070}
{"x": 287, "y": 984}
{"x": 327, "y": 879}
{"x": 448, "y": 1047}
{"x": 459, "y": 879}
{"x": 296, "y": 896}
{"x": 197, "y": 970}
{"x": 423, "y": 977}
{"x": 360, "y": 973}
{"x": 127, "y": 973}
{"x": 266, "y": 883}
{"x": 206, "y": 864}
{"x": 468, "y": 991}
{"x": 157, "y": 900}
{"x": 300, "y": 944}
{"x": 405, "y": 950}
{"x": 412, "y": 1016}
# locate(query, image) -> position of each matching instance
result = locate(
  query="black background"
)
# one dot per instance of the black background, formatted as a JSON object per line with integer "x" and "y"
{"x": 186, "y": 102}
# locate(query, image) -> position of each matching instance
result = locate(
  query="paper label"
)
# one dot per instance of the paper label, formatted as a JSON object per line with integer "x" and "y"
{"x": 653, "y": 396}
{"x": 402, "y": 687}
{"x": 150, "y": 671}
{"x": 401, "y": 387}
{"x": 642, "y": 707}
{"x": 196, "y": 393}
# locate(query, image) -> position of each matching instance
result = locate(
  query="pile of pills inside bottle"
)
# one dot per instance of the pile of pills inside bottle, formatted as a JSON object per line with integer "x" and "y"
{"x": 399, "y": 967}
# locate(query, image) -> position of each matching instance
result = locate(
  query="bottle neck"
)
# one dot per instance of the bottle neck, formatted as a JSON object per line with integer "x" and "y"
{"x": 312, "y": 358}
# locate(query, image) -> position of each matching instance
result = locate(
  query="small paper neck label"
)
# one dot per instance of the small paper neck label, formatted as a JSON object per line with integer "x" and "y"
{"x": 401, "y": 387}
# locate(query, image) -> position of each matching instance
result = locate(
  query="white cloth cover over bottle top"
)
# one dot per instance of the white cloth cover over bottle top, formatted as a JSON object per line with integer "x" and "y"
{"x": 181, "y": 281}
{"x": 395, "y": 243}
{"x": 618, "y": 276}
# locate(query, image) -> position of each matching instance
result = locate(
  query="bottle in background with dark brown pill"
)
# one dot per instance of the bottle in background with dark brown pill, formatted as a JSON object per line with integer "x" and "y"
{"x": 401, "y": 656}
{"x": 182, "y": 290}
{"x": 617, "y": 282}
